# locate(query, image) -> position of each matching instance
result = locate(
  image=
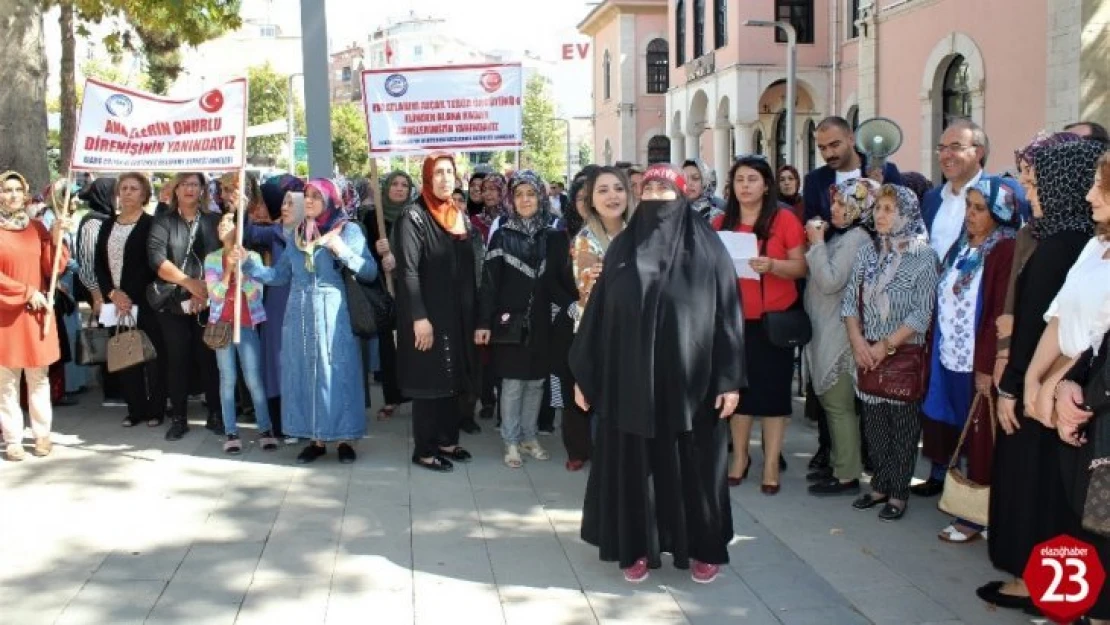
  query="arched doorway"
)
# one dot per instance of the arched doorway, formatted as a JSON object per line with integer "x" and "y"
{"x": 853, "y": 117}
{"x": 757, "y": 141}
{"x": 956, "y": 99}
{"x": 951, "y": 87}
{"x": 659, "y": 150}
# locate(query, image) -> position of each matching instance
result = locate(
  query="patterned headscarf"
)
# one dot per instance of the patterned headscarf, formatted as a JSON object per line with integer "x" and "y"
{"x": 1064, "y": 173}
{"x": 858, "y": 196}
{"x": 704, "y": 204}
{"x": 349, "y": 199}
{"x": 497, "y": 181}
{"x": 1003, "y": 208}
{"x": 1040, "y": 142}
{"x": 542, "y": 217}
{"x": 907, "y": 235}
{"x": 15, "y": 218}
{"x": 312, "y": 229}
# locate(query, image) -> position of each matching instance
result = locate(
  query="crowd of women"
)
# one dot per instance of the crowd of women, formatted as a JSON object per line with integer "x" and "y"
{"x": 618, "y": 307}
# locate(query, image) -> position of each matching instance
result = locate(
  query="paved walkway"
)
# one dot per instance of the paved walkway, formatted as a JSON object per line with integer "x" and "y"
{"x": 119, "y": 526}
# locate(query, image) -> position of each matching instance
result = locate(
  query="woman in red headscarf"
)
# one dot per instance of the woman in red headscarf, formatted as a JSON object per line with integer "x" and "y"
{"x": 438, "y": 254}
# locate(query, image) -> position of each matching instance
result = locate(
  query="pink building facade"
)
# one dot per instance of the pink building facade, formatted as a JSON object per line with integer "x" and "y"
{"x": 631, "y": 77}
{"x": 918, "y": 62}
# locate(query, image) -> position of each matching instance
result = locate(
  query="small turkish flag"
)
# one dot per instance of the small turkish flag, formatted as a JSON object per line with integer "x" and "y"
{"x": 388, "y": 53}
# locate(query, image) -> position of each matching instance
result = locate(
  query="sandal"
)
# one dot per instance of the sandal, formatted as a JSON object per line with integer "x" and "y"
{"x": 130, "y": 421}
{"x": 154, "y": 422}
{"x": 512, "y": 457}
{"x": 953, "y": 535}
{"x": 386, "y": 412}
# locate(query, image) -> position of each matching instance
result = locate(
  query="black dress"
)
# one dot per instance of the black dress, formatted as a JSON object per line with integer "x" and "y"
{"x": 1026, "y": 501}
{"x": 387, "y": 347}
{"x": 665, "y": 317}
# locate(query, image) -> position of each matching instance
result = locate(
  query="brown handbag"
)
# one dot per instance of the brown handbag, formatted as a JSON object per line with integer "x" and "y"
{"x": 963, "y": 498}
{"x": 129, "y": 346}
{"x": 217, "y": 335}
{"x": 904, "y": 376}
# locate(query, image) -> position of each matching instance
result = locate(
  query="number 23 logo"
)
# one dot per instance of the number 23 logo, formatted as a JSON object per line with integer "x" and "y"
{"x": 1079, "y": 577}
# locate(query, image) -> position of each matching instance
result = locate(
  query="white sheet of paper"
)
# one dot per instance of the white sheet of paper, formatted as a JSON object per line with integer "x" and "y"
{"x": 742, "y": 247}
{"x": 109, "y": 316}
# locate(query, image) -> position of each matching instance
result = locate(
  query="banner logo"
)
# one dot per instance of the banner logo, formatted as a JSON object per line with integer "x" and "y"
{"x": 491, "y": 81}
{"x": 119, "y": 105}
{"x": 396, "y": 85}
{"x": 212, "y": 101}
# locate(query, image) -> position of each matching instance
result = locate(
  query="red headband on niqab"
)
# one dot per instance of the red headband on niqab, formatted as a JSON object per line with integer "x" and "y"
{"x": 668, "y": 175}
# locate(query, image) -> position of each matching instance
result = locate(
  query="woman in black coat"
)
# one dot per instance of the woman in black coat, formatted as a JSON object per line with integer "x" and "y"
{"x": 438, "y": 262}
{"x": 123, "y": 274}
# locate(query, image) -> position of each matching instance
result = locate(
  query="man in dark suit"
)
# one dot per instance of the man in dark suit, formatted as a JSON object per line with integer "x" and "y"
{"x": 843, "y": 161}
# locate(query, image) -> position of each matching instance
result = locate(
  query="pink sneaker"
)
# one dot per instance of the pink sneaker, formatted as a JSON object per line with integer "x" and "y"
{"x": 638, "y": 572}
{"x": 704, "y": 573}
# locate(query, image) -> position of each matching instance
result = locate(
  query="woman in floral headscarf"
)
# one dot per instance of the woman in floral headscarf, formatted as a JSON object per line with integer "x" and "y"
{"x": 829, "y": 354}
{"x": 970, "y": 296}
{"x": 514, "y": 314}
{"x": 322, "y": 386}
{"x": 896, "y": 278}
{"x": 700, "y": 187}
{"x": 26, "y": 264}
{"x": 493, "y": 205}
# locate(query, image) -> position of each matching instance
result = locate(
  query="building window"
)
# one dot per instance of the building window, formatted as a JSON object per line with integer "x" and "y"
{"x": 659, "y": 150}
{"x": 658, "y": 66}
{"x": 699, "y": 28}
{"x": 757, "y": 141}
{"x": 607, "y": 76}
{"x": 800, "y": 14}
{"x": 346, "y": 74}
{"x": 811, "y": 146}
{"x": 680, "y": 34}
{"x": 853, "y": 15}
{"x": 720, "y": 23}
{"x": 780, "y": 139}
{"x": 956, "y": 102}
{"x": 267, "y": 31}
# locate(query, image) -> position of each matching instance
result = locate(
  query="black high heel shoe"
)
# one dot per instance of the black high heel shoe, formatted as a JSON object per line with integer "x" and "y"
{"x": 736, "y": 481}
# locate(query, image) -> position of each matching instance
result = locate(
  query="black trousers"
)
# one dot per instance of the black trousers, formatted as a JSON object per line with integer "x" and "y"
{"x": 435, "y": 424}
{"x": 546, "y": 421}
{"x": 387, "y": 356}
{"x": 144, "y": 387}
{"x": 274, "y": 405}
{"x": 189, "y": 360}
{"x": 576, "y": 433}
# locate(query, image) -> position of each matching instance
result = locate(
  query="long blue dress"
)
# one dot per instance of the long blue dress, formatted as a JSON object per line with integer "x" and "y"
{"x": 274, "y": 238}
{"x": 322, "y": 385}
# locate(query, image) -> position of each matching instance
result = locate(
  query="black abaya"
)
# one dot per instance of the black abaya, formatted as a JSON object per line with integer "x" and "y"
{"x": 664, "y": 315}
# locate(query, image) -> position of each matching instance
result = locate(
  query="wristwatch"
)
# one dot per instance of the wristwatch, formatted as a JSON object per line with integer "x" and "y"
{"x": 890, "y": 348}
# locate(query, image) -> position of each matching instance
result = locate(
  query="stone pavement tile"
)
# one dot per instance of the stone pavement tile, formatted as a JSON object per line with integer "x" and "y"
{"x": 155, "y": 564}
{"x": 637, "y": 605}
{"x": 792, "y": 585}
{"x": 296, "y": 555}
{"x": 200, "y": 601}
{"x": 530, "y": 605}
{"x": 841, "y": 615}
{"x": 285, "y": 600}
{"x": 727, "y": 600}
{"x": 898, "y": 605}
{"x": 233, "y": 563}
{"x": 446, "y": 598}
{"x": 108, "y": 601}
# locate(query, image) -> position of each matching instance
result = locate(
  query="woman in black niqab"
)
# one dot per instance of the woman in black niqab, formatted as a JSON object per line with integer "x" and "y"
{"x": 664, "y": 315}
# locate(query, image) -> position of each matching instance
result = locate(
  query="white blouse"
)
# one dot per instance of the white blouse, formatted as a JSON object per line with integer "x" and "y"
{"x": 1083, "y": 303}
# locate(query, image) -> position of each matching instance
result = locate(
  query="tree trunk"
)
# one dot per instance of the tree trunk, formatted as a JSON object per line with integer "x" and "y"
{"x": 68, "y": 86}
{"x": 23, "y": 95}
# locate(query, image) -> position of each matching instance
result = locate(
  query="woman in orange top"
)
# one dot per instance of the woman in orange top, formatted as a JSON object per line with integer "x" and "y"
{"x": 26, "y": 257}
{"x": 753, "y": 206}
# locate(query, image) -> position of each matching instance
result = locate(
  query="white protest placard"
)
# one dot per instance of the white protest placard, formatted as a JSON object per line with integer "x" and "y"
{"x": 451, "y": 108}
{"x": 742, "y": 247}
{"x": 121, "y": 129}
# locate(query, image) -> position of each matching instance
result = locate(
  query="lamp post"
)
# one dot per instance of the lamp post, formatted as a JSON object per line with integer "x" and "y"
{"x": 791, "y": 77}
{"x": 314, "y": 46}
{"x": 291, "y": 134}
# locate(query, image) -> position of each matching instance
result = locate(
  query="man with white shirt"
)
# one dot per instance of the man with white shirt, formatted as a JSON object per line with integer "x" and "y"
{"x": 962, "y": 153}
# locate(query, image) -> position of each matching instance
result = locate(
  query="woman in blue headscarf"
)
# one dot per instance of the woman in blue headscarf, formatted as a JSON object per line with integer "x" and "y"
{"x": 322, "y": 386}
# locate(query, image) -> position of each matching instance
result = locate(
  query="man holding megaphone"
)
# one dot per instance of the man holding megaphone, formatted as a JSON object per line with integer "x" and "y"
{"x": 837, "y": 142}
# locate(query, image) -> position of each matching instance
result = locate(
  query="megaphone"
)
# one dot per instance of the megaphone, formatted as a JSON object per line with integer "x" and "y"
{"x": 878, "y": 138}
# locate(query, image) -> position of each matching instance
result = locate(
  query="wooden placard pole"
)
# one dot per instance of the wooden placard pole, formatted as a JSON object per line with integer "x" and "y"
{"x": 376, "y": 190}
{"x": 61, "y": 213}
{"x": 240, "y": 220}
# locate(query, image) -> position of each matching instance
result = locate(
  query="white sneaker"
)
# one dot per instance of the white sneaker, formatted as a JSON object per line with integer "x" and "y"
{"x": 532, "y": 448}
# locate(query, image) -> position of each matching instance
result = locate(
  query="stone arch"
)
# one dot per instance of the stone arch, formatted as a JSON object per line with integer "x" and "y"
{"x": 698, "y": 115}
{"x": 950, "y": 47}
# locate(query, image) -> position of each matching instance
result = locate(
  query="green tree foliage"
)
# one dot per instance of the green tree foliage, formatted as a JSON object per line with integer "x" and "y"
{"x": 267, "y": 103}
{"x": 544, "y": 138}
{"x": 348, "y": 138}
{"x": 585, "y": 153}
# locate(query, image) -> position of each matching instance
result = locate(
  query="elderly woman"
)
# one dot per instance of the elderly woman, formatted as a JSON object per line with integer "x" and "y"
{"x": 322, "y": 386}
{"x": 1027, "y": 504}
{"x": 493, "y": 205}
{"x": 889, "y": 303}
{"x": 514, "y": 314}
{"x": 829, "y": 354}
{"x": 26, "y": 266}
{"x": 970, "y": 296}
{"x": 438, "y": 264}
{"x": 657, "y": 480}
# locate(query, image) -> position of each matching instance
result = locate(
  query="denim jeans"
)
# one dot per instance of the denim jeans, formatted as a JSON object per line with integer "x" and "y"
{"x": 249, "y": 351}
{"x": 520, "y": 410}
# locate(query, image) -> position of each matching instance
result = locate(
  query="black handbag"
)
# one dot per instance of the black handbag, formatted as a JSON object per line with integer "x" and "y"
{"x": 92, "y": 344}
{"x": 512, "y": 328}
{"x": 165, "y": 296}
{"x": 370, "y": 306}
{"x": 789, "y": 328}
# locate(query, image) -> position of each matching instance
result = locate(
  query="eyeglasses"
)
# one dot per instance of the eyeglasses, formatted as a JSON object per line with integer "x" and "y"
{"x": 955, "y": 147}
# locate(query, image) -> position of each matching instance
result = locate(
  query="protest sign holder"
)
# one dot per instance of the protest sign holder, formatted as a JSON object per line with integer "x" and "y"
{"x": 64, "y": 214}
{"x": 376, "y": 190}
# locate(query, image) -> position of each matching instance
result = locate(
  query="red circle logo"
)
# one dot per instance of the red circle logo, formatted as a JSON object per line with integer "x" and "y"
{"x": 212, "y": 101}
{"x": 1065, "y": 577}
{"x": 491, "y": 81}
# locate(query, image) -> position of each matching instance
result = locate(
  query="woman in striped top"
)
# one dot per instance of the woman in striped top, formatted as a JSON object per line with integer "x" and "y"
{"x": 896, "y": 278}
